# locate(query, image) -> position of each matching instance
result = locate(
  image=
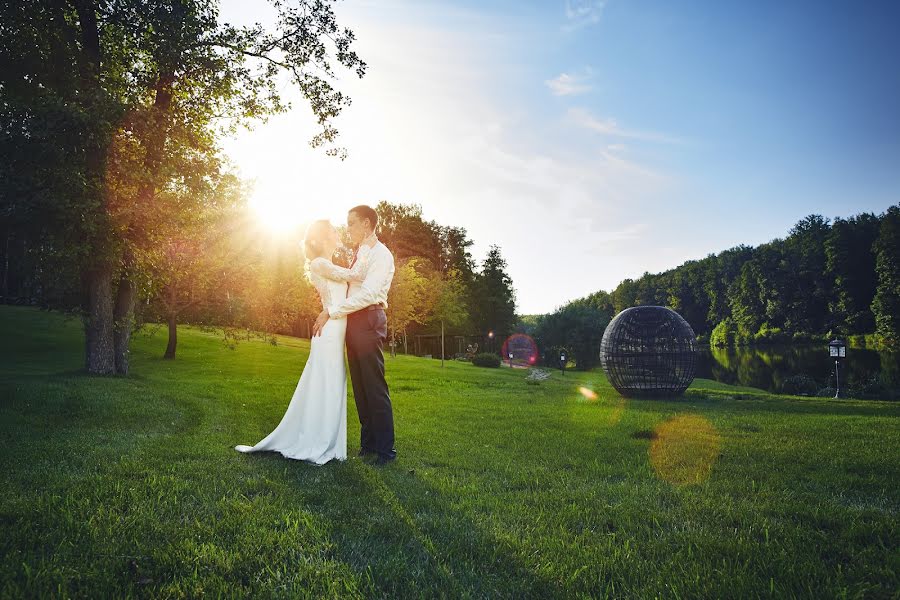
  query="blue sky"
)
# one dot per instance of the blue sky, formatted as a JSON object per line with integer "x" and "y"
{"x": 593, "y": 141}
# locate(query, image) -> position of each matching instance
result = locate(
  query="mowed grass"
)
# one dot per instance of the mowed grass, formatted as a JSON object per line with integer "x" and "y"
{"x": 118, "y": 487}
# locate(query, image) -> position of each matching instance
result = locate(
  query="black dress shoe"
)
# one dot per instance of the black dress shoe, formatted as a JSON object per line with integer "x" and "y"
{"x": 382, "y": 460}
{"x": 363, "y": 453}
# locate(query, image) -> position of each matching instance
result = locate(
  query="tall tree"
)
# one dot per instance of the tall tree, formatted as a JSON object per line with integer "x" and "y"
{"x": 886, "y": 305}
{"x": 807, "y": 296}
{"x": 411, "y": 296}
{"x": 403, "y": 229}
{"x": 450, "y": 304}
{"x": 493, "y": 303}
{"x": 850, "y": 261}
{"x": 723, "y": 269}
{"x": 155, "y": 77}
{"x": 186, "y": 265}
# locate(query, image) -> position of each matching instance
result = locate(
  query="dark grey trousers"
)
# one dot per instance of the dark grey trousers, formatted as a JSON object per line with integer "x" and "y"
{"x": 366, "y": 332}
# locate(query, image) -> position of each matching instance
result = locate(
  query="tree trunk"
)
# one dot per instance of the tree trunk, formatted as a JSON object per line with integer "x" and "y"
{"x": 124, "y": 320}
{"x": 442, "y": 343}
{"x": 98, "y": 322}
{"x": 405, "y": 343}
{"x": 173, "y": 336}
{"x": 127, "y": 291}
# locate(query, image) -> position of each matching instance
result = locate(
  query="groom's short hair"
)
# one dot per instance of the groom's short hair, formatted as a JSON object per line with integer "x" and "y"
{"x": 366, "y": 212}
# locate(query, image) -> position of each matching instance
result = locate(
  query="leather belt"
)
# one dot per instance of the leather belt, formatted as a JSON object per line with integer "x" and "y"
{"x": 368, "y": 308}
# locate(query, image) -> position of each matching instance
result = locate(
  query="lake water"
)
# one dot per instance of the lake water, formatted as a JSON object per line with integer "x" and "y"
{"x": 766, "y": 368}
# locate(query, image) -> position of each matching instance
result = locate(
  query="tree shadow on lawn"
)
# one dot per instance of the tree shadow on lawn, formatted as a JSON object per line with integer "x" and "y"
{"x": 404, "y": 537}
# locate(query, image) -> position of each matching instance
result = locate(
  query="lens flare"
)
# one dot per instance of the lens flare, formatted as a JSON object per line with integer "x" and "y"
{"x": 588, "y": 393}
{"x": 523, "y": 349}
{"x": 685, "y": 449}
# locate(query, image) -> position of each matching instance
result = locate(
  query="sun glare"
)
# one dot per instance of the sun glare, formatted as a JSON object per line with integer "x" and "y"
{"x": 281, "y": 208}
{"x": 277, "y": 212}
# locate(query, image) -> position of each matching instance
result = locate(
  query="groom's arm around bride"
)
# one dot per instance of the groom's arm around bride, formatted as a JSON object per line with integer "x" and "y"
{"x": 366, "y": 333}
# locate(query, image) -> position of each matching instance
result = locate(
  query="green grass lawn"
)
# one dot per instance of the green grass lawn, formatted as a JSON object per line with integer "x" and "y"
{"x": 130, "y": 487}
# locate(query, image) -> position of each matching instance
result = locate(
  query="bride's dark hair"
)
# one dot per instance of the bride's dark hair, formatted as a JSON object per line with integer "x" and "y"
{"x": 312, "y": 243}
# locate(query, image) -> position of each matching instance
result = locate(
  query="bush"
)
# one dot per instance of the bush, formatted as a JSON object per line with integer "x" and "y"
{"x": 801, "y": 337}
{"x": 799, "y": 385}
{"x": 871, "y": 388}
{"x": 723, "y": 334}
{"x": 486, "y": 359}
{"x": 770, "y": 335}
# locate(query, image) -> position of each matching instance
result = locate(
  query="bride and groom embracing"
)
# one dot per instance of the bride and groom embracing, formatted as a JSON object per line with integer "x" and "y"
{"x": 314, "y": 427}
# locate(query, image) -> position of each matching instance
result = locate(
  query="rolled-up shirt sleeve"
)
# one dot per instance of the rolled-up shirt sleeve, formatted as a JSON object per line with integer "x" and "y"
{"x": 378, "y": 276}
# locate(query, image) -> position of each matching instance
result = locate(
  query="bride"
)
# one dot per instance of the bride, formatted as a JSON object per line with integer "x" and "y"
{"x": 314, "y": 427}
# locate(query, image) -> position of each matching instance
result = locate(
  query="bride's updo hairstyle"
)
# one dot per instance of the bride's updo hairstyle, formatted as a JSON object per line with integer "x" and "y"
{"x": 313, "y": 243}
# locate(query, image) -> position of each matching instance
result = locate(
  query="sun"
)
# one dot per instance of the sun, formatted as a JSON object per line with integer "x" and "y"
{"x": 279, "y": 211}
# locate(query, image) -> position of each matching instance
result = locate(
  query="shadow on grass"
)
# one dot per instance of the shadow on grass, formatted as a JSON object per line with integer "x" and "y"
{"x": 403, "y": 537}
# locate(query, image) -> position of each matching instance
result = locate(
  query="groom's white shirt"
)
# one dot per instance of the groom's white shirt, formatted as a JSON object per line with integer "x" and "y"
{"x": 373, "y": 289}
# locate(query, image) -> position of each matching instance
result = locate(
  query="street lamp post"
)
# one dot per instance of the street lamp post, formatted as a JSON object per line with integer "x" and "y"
{"x": 562, "y": 361}
{"x": 510, "y": 360}
{"x": 837, "y": 350}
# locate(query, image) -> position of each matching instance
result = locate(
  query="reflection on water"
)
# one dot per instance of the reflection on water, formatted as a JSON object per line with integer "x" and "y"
{"x": 767, "y": 368}
{"x": 684, "y": 449}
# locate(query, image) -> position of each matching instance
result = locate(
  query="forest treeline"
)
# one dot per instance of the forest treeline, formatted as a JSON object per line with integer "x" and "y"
{"x": 825, "y": 278}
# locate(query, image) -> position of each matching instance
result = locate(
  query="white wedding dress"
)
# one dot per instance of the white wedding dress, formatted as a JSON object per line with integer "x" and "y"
{"x": 314, "y": 427}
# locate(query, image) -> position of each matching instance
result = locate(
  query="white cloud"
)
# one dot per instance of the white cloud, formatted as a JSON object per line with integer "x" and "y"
{"x": 570, "y": 84}
{"x": 607, "y": 126}
{"x": 583, "y": 13}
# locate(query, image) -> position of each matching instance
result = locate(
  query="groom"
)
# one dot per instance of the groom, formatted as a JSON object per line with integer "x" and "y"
{"x": 366, "y": 332}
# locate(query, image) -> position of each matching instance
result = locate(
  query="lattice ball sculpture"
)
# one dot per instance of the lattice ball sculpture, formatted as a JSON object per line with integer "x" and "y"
{"x": 649, "y": 351}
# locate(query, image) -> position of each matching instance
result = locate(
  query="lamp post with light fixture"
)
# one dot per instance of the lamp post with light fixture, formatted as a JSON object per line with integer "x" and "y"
{"x": 837, "y": 350}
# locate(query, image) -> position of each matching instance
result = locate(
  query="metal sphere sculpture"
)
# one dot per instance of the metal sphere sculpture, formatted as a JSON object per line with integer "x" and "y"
{"x": 649, "y": 351}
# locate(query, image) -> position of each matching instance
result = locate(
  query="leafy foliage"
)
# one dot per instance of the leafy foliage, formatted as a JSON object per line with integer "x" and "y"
{"x": 494, "y": 301}
{"x": 799, "y": 385}
{"x": 122, "y": 105}
{"x": 886, "y": 304}
{"x": 823, "y": 279}
{"x": 486, "y": 359}
{"x": 578, "y": 327}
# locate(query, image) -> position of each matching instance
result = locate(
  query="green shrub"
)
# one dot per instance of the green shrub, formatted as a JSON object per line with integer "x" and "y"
{"x": 723, "y": 334}
{"x": 875, "y": 387}
{"x": 799, "y": 385}
{"x": 486, "y": 359}
{"x": 770, "y": 335}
